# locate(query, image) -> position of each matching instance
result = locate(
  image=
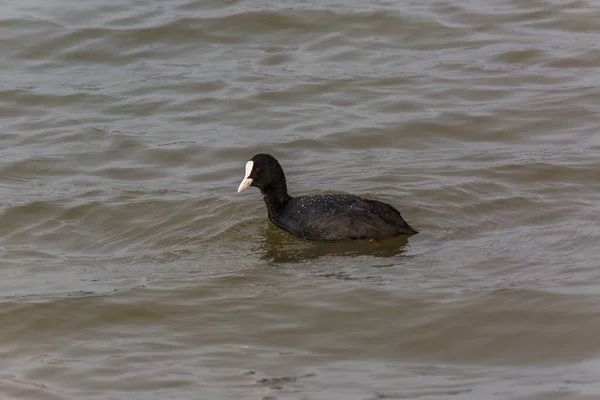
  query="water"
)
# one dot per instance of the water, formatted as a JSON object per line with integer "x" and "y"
{"x": 131, "y": 268}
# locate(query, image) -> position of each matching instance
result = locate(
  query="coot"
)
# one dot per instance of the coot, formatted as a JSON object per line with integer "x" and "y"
{"x": 321, "y": 217}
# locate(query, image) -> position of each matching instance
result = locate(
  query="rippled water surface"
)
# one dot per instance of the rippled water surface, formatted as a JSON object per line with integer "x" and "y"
{"x": 131, "y": 269}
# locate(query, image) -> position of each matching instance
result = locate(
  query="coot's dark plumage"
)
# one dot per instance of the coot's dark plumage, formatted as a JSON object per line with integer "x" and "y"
{"x": 321, "y": 217}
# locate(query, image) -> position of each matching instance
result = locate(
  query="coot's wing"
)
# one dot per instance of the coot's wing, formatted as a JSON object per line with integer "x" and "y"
{"x": 334, "y": 217}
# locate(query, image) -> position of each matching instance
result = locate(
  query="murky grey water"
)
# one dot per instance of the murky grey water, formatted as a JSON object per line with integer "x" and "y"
{"x": 131, "y": 268}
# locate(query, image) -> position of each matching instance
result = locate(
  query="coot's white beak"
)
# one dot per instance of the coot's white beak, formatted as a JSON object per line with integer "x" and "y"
{"x": 247, "y": 181}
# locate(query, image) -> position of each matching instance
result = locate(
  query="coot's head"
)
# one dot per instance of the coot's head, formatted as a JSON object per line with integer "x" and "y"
{"x": 264, "y": 172}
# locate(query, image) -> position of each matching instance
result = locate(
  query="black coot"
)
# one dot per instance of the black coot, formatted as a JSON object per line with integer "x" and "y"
{"x": 321, "y": 217}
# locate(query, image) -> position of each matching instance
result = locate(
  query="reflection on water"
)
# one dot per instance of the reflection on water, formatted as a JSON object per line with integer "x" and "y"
{"x": 279, "y": 246}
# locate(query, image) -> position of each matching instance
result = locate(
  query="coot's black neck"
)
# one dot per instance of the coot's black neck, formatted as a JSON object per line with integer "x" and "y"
{"x": 276, "y": 195}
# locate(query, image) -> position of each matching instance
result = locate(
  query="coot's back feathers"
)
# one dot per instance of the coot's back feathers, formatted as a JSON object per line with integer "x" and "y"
{"x": 340, "y": 216}
{"x": 321, "y": 217}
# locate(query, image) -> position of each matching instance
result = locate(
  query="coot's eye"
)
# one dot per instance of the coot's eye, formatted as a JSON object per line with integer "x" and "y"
{"x": 257, "y": 169}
